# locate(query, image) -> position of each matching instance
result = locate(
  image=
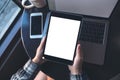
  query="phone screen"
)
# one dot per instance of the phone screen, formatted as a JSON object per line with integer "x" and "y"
{"x": 36, "y": 26}
{"x": 62, "y": 37}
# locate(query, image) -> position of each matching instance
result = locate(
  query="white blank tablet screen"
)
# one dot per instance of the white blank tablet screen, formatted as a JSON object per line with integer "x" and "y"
{"x": 62, "y": 37}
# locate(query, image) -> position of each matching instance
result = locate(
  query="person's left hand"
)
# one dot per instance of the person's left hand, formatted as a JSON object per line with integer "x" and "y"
{"x": 76, "y": 68}
{"x": 39, "y": 53}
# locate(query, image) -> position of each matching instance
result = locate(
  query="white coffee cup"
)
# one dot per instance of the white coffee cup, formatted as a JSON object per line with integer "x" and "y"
{"x": 34, "y": 3}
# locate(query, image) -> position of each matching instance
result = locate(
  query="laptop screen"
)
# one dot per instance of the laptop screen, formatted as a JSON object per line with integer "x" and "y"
{"x": 98, "y": 8}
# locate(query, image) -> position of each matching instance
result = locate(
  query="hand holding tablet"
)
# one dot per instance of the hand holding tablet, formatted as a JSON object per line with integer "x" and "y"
{"x": 75, "y": 69}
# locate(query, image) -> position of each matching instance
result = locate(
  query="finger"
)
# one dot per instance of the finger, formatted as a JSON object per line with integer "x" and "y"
{"x": 77, "y": 56}
{"x": 42, "y": 43}
{"x": 77, "y": 51}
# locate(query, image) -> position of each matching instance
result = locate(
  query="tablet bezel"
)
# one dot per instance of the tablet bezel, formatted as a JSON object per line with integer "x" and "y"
{"x": 67, "y": 16}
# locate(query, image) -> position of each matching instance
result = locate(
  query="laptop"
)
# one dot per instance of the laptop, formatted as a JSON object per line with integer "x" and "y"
{"x": 94, "y": 30}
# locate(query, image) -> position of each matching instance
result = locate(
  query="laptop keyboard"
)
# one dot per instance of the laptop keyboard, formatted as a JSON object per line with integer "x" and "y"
{"x": 92, "y": 31}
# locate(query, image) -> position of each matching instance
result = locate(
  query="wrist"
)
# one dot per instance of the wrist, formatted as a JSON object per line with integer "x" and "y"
{"x": 76, "y": 72}
{"x": 36, "y": 60}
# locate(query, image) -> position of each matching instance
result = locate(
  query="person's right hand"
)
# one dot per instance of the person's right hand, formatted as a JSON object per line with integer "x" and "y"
{"x": 39, "y": 53}
{"x": 76, "y": 68}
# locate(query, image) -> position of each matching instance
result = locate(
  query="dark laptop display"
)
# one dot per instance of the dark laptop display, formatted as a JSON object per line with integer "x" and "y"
{"x": 98, "y": 8}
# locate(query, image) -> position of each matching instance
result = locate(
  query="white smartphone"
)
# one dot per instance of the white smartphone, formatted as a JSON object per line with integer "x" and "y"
{"x": 36, "y": 25}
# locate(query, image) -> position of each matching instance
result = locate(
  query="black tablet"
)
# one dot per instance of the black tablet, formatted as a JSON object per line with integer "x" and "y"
{"x": 62, "y": 37}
